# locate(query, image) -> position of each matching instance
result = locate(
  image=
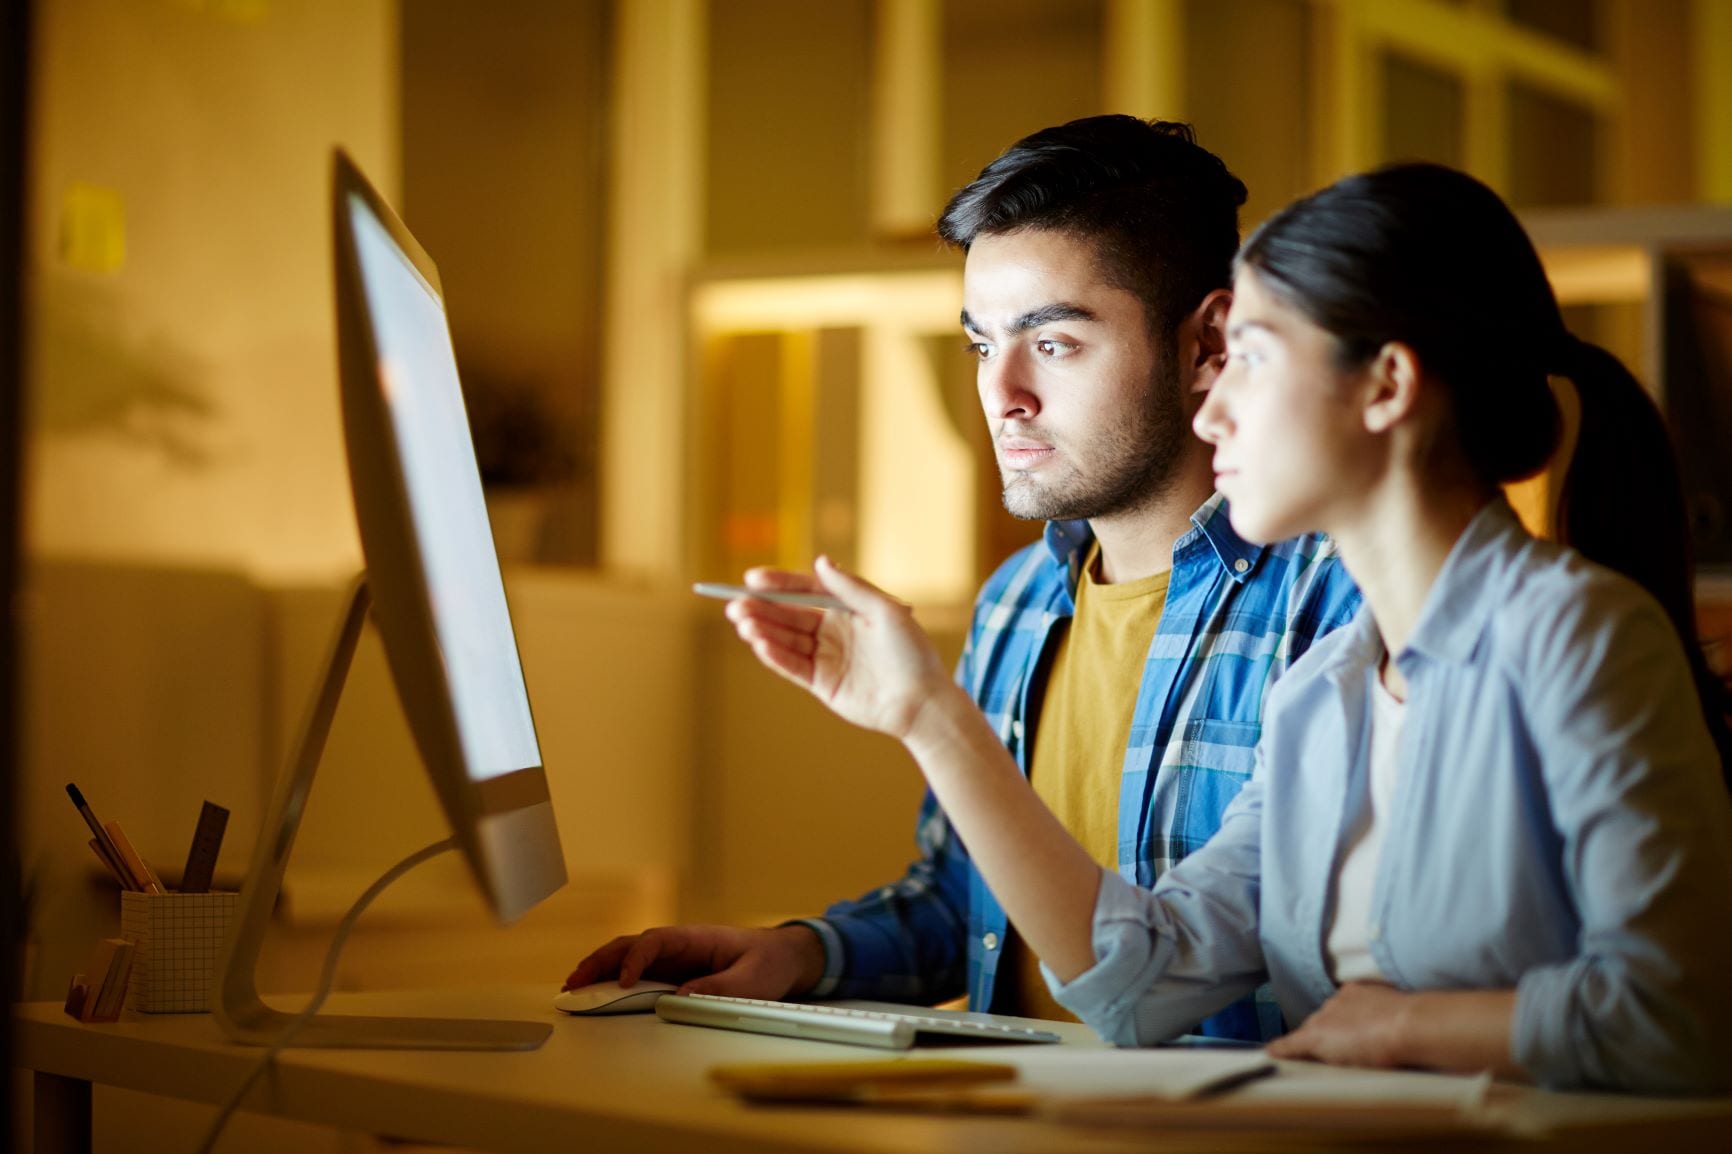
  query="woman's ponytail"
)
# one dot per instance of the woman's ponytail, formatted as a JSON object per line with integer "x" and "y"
{"x": 1622, "y": 505}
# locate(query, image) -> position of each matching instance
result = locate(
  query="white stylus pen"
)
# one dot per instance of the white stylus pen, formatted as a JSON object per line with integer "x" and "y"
{"x": 732, "y": 592}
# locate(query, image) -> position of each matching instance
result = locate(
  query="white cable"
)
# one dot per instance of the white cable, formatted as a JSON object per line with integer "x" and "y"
{"x": 327, "y": 977}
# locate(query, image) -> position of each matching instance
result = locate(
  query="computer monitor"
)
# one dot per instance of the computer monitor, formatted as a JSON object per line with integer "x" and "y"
{"x": 439, "y": 602}
{"x": 433, "y": 586}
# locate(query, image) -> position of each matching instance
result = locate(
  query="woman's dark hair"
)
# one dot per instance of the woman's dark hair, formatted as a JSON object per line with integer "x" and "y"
{"x": 1431, "y": 258}
{"x": 1161, "y": 211}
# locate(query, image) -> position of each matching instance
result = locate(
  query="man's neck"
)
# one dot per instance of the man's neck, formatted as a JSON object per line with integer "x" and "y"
{"x": 1139, "y": 542}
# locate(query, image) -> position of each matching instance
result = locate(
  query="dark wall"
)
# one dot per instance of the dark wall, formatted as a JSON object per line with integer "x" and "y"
{"x": 14, "y": 38}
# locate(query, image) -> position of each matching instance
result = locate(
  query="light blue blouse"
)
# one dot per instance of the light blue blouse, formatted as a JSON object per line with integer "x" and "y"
{"x": 1560, "y": 828}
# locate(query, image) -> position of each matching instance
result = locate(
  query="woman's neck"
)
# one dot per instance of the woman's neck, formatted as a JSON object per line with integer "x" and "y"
{"x": 1394, "y": 544}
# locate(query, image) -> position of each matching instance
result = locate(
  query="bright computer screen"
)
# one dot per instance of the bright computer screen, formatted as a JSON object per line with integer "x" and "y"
{"x": 418, "y": 372}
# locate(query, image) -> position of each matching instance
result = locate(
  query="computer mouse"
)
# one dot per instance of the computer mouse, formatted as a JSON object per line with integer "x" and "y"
{"x": 612, "y": 998}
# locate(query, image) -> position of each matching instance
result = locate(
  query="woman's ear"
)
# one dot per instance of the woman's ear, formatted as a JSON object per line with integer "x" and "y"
{"x": 1391, "y": 387}
{"x": 1203, "y": 341}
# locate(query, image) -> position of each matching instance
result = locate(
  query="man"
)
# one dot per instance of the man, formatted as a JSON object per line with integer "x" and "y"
{"x": 1123, "y": 660}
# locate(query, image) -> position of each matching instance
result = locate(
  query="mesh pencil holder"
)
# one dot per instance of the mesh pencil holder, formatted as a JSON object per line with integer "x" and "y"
{"x": 180, "y": 939}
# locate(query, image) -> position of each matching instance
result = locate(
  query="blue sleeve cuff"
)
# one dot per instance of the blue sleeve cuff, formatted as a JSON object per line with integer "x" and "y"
{"x": 832, "y": 955}
{"x": 1538, "y": 1033}
{"x": 1106, "y": 994}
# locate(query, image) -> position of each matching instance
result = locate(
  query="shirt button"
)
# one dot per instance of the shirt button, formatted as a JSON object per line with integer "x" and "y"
{"x": 1241, "y": 565}
{"x": 1016, "y": 729}
{"x": 990, "y": 941}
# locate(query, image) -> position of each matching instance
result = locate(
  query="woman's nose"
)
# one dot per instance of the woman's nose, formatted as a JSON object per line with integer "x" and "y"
{"x": 1211, "y": 422}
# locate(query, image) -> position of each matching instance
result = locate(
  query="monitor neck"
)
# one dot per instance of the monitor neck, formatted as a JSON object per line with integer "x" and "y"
{"x": 235, "y": 1001}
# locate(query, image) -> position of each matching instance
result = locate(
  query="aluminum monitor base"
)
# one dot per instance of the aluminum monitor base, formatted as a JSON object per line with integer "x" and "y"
{"x": 235, "y": 1001}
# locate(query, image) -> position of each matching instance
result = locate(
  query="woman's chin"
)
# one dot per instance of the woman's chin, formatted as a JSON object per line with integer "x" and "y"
{"x": 1259, "y": 526}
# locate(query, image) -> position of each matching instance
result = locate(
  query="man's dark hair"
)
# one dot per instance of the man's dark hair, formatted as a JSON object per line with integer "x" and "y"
{"x": 1161, "y": 211}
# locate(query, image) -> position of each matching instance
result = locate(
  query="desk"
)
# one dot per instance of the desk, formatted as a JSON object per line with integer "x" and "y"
{"x": 636, "y": 1083}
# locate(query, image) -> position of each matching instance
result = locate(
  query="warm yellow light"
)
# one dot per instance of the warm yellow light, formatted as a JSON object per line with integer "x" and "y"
{"x": 913, "y": 514}
{"x": 917, "y": 477}
{"x": 1598, "y": 274}
{"x": 924, "y": 301}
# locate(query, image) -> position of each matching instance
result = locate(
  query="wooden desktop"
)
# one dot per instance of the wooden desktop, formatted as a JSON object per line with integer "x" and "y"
{"x": 636, "y": 1083}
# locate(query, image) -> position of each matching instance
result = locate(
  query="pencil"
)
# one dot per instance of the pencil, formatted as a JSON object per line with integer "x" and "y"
{"x": 115, "y": 861}
{"x": 102, "y": 856}
{"x": 135, "y": 865}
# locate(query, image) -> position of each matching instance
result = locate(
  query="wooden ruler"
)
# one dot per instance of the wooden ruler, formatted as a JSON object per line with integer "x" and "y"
{"x": 207, "y": 842}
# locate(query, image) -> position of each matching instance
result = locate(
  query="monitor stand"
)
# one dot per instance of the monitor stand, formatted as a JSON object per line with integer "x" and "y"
{"x": 235, "y": 1001}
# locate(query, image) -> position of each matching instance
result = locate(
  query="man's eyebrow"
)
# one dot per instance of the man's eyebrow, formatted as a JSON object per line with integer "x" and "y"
{"x": 1045, "y": 315}
{"x": 1050, "y": 314}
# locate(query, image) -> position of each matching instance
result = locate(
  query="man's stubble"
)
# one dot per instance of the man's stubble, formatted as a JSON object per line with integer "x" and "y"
{"x": 1130, "y": 464}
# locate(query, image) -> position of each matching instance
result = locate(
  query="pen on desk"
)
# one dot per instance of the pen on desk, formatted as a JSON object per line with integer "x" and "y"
{"x": 105, "y": 845}
{"x": 734, "y": 592}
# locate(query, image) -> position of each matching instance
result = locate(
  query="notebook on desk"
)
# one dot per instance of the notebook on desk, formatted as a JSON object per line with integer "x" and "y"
{"x": 882, "y": 1029}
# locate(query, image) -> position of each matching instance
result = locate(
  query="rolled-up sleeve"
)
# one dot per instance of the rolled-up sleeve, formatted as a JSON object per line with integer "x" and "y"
{"x": 1635, "y": 790}
{"x": 1167, "y": 958}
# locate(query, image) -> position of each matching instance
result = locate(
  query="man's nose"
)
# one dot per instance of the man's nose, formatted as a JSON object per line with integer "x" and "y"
{"x": 1006, "y": 390}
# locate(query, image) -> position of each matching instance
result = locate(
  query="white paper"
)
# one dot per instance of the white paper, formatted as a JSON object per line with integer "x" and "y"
{"x": 1311, "y": 1083}
{"x": 1085, "y": 1072}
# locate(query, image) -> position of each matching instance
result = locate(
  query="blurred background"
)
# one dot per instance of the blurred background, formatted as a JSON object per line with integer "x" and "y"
{"x": 703, "y": 323}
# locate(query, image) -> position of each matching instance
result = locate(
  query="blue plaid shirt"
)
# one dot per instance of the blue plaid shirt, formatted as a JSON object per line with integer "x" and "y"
{"x": 1237, "y": 615}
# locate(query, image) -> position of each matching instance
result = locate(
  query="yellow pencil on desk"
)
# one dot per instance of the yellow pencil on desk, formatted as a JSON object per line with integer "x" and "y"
{"x": 862, "y": 1082}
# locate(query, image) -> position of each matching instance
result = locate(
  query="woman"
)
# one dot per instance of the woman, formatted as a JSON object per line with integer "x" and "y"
{"x": 1487, "y": 828}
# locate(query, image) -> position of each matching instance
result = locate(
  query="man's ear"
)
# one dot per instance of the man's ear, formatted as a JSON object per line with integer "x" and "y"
{"x": 1204, "y": 340}
{"x": 1391, "y": 387}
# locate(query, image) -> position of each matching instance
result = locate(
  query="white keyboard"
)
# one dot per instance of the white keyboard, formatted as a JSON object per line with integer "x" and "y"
{"x": 887, "y": 1030}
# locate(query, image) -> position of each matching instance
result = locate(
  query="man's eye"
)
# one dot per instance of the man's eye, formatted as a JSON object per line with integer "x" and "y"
{"x": 1051, "y": 348}
{"x": 979, "y": 350}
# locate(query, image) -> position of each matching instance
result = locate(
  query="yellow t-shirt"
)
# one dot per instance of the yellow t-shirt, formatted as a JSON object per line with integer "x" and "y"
{"x": 1080, "y": 740}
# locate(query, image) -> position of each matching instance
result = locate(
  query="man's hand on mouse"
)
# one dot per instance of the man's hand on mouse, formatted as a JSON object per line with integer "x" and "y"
{"x": 731, "y": 960}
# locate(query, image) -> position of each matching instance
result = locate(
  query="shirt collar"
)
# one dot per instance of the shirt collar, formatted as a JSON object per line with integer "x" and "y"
{"x": 1469, "y": 586}
{"x": 1238, "y": 556}
{"x": 1069, "y": 541}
